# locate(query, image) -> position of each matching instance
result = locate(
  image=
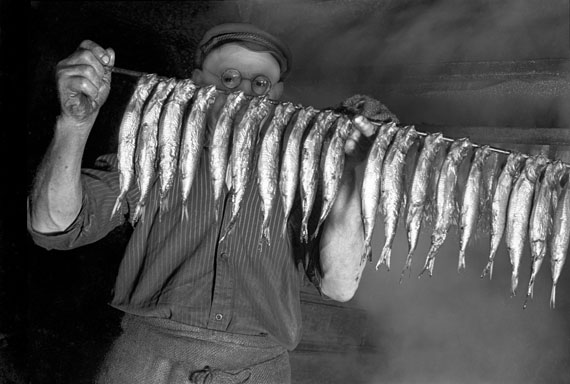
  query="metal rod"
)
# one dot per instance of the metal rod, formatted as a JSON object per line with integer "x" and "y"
{"x": 128, "y": 72}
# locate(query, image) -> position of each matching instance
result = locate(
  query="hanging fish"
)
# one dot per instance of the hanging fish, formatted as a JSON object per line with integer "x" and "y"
{"x": 147, "y": 144}
{"x": 193, "y": 139}
{"x": 393, "y": 196}
{"x": 432, "y": 144}
{"x": 499, "y": 204}
{"x": 169, "y": 132}
{"x": 431, "y": 206}
{"x": 446, "y": 200}
{"x": 220, "y": 144}
{"x": 268, "y": 164}
{"x": 289, "y": 174}
{"x": 541, "y": 220}
{"x": 470, "y": 205}
{"x": 518, "y": 214}
{"x": 310, "y": 160}
{"x": 489, "y": 177}
{"x": 560, "y": 239}
{"x": 242, "y": 155}
{"x": 370, "y": 196}
{"x": 333, "y": 167}
{"x": 128, "y": 136}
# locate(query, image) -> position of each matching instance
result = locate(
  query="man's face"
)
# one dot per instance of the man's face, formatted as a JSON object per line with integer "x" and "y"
{"x": 249, "y": 63}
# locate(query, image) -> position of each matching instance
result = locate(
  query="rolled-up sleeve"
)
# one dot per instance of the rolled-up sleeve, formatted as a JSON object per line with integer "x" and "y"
{"x": 100, "y": 190}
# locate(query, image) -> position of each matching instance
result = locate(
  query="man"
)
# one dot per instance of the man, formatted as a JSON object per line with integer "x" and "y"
{"x": 197, "y": 309}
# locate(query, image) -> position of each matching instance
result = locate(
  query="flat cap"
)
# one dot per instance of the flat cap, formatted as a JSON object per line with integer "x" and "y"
{"x": 248, "y": 35}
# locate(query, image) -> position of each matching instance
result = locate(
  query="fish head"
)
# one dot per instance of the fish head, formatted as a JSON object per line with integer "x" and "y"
{"x": 535, "y": 166}
{"x": 459, "y": 149}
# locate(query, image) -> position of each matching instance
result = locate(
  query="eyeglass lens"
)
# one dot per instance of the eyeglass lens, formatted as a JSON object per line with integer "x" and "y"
{"x": 231, "y": 78}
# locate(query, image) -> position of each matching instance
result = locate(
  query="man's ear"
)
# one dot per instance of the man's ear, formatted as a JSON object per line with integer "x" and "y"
{"x": 276, "y": 91}
{"x": 198, "y": 76}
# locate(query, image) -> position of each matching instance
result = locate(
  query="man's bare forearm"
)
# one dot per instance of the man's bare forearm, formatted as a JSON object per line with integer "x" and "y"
{"x": 56, "y": 195}
{"x": 342, "y": 242}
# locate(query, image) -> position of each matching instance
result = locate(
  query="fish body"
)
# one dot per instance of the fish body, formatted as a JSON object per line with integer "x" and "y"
{"x": 289, "y": 174}
{"x": 370, "y": 196}
{"x": 541, "y": 219}
{"x": 560, "y": 239}
{"x": 310, "y": 160}
{"x": 220, "y": 145}
{"x": 446, "y": 200}
{"x": 499, "y": 204}
{"x": 333, "y": 167}
{"x": 518, "y": 213}
{"x": 169, "y": 132}
{"x": 147, "y": 145}
{"x": 268, "y": 163}
{"x": 470, "y": 205}
{"x": 419, "y": 191}
{"x": 128, "y": 135}
{"x": 242, "y": 155}
{"x": 393, "y": 191}
{"x": 192, "y": 143}
{"x": 488, "y": 184}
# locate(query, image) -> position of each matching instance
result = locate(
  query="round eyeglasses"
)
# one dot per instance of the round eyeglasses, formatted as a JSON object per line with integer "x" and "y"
{"x": 231, "y": 78}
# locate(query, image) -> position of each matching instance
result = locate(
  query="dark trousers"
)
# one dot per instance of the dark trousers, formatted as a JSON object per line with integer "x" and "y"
{"x": 160, "y": 351}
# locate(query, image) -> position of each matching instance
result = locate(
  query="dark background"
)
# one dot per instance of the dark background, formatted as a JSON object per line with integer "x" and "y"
{"x": 497, "y": 72}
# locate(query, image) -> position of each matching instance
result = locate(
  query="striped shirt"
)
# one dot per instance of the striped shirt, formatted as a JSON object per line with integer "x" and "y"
{"x": 179, "y": 270}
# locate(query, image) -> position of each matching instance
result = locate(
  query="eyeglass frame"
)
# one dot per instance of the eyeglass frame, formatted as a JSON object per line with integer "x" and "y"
{"x": 221, "y": 77}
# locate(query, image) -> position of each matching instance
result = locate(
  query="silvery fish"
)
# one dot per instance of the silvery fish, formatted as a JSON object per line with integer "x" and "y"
{"x": 560, "y": 239}
{"x": 192, "y": 143}
{"x": 470, "y": 205}
{"x": 370, "y": 196}
{"x": 541, "y": 219}
{"x": 220, "y": 144}
{"x": 310, "y": 160}
{"x": 268, "y": 164}
{"x": 393, "y": 196}
{"x": 333, "y": 167}
{"x": 289, "y": 174}
{"x": 518, "y": 213}
{"x": 431, "y": 209}
{"x": 499, "y": 204}
{"x": 432, "y": 144}
{"x": 242, "y": 155}
{"x": 446, "y": 199}
{"x": 489, "y": 176}
{"x": 147, "y": 144}
{"x": 169, "y": 131}
{"x": 128, "y": 135}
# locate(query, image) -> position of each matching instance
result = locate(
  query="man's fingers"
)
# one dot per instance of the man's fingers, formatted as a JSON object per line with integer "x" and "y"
{"x": 79, "y": 84}
{"x": 102, "y": 55}
{"x": 83, "y": 70}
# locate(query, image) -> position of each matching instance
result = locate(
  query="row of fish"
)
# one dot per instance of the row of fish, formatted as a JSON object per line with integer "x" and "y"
{"x": 163, "y": 131}
{"x": 528, "y": 197}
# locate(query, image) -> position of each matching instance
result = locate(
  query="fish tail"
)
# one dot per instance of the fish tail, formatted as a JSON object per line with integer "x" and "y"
{"x": 284, "y": 228}
{"x": 461, "y": 264}
{"x": 163, "y": 207}
{"x": 385, "y": 257}
{"x": 304, "y": 232}
{"x": 430, "y": 259}
{"x": 489, "y": 267}
{"x": 316, "y": 233}
{"x": 408, "y": 265}
{"x": 367, "y": 254}
{"x": 514, "y": 283}
{"x": 265, "y": 234}
{"x": 185, "y": 214}
{"x": 228, "y": 229}
{"x": 117, "y": 206}
{"x": 139, "y": 212}
{"x": 553, "y": 296}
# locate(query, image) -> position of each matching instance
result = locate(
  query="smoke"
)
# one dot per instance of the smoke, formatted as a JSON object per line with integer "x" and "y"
{"x": 453, "y": 327}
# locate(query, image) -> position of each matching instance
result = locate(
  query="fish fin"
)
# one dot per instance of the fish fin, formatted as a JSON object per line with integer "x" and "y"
{"x": 117, "y": 206}
{"x": 316, "y": 233}
{"x": 284, "y": 227}
{"x": 228, "y": 229}
{"x": 553, "y": 297}
{"x": 367, "y": 254}
{"x": 385, "y": 257}
{"x": 139, "y": 213}
{"x": 265, "y": 235}
{"x": 488, "y": 269}
{"x": 407, "y": 266}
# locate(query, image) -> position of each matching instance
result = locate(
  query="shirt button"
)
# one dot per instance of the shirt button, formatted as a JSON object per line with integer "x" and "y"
{"x": 224, "y": 255}
{"x": 219, "y": 316}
